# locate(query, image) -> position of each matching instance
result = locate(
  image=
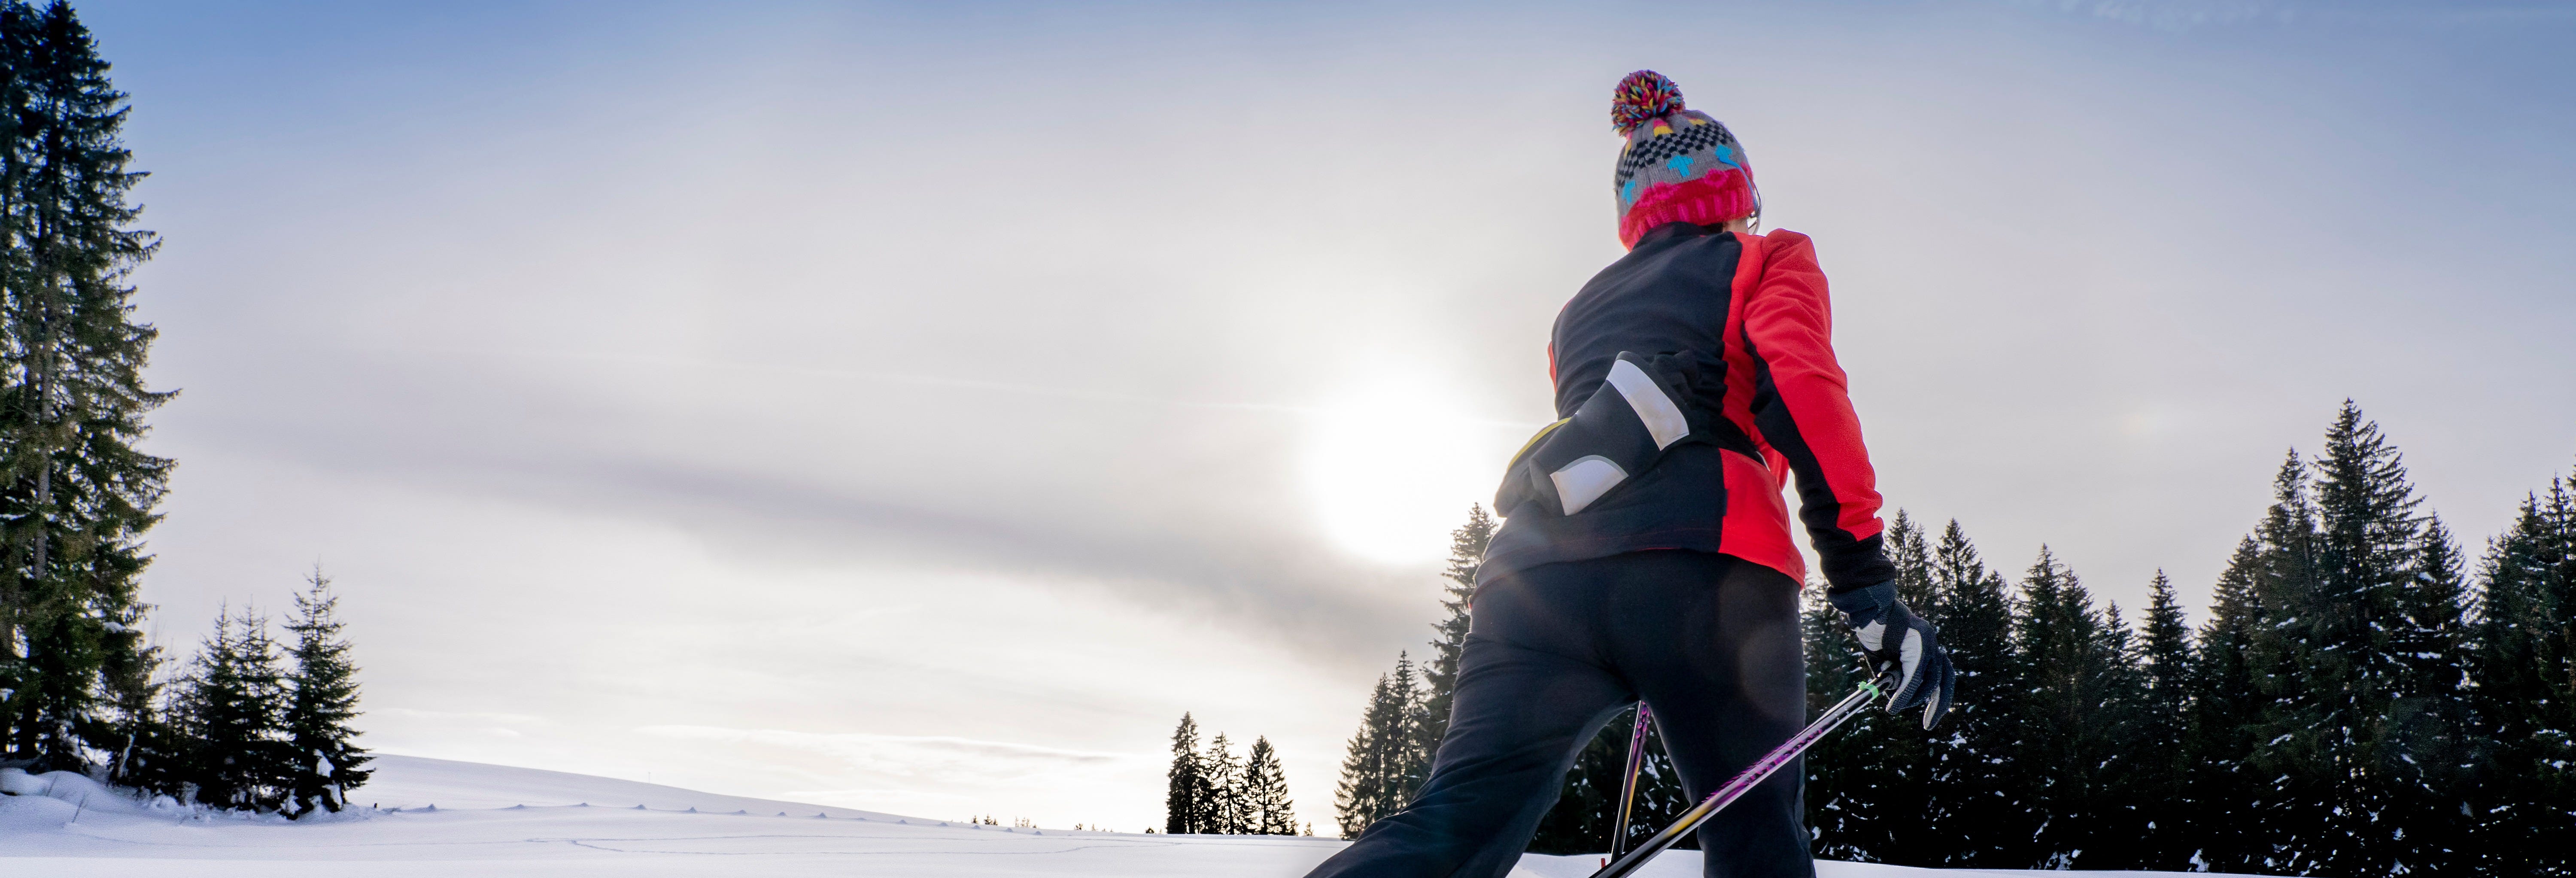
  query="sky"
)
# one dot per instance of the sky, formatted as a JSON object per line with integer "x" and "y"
{"x": 920, "y": 407}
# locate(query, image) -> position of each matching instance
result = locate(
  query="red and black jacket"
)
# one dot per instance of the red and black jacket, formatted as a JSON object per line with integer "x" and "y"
{"x": 1760, "y": 302}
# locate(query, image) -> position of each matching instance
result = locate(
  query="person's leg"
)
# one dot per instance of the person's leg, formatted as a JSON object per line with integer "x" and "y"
{"x": 1713, "y": 644}
{"x": 1532, "y": 689}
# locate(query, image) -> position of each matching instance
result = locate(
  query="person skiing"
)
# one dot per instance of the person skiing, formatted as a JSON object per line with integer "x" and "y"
{"x": 1645, "y": 552}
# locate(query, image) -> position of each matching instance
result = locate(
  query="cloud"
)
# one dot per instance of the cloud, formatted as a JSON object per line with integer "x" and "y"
{"x": 941, "y": 759}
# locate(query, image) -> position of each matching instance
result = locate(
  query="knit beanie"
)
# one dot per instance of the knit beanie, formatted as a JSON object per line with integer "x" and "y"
{"x": 1679, "y": 166}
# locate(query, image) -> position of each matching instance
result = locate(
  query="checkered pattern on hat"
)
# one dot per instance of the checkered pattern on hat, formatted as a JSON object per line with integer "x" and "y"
{"x": 1679, "y": 165}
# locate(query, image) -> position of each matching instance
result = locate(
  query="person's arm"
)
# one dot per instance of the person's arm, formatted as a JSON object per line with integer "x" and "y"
{"x": 1801, "y": 406}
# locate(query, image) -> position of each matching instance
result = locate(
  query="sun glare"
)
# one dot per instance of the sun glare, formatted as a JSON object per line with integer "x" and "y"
{"x": 1393, "y": 470}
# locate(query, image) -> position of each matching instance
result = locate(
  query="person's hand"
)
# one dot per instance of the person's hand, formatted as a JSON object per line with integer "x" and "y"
{"x": 1900, "y": 644}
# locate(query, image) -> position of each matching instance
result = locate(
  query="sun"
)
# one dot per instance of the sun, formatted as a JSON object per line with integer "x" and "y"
{"x": 1392, "y": 470}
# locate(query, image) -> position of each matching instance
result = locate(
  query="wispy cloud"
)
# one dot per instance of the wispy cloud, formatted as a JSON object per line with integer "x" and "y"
{"x": 915, "y": 758}
{"x": 2184, "y": 15}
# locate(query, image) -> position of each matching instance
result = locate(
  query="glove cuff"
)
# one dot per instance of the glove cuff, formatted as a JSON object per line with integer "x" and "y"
{"x": 1861, "y": 606}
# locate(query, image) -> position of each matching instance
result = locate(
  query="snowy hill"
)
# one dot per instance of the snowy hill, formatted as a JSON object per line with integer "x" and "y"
{"x": 447, "y": 819}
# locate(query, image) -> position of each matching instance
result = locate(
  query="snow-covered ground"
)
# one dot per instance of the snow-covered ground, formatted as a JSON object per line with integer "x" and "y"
{"x": 449, "y": 819}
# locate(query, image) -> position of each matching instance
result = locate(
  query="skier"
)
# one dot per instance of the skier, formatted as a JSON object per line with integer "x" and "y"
{"x": 1646, "y": 551}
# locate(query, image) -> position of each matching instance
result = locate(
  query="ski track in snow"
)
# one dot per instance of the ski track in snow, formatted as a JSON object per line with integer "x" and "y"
{"x": 500, "y": 821}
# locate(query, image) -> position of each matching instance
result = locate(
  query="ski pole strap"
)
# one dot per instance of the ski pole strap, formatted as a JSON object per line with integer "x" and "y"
{"x": 1743, "y": 781}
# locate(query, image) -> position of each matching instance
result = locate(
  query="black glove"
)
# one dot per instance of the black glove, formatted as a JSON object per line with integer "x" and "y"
{"x": 1899, "y": 642}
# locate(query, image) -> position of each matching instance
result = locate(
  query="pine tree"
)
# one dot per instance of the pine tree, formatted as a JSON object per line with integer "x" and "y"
{"x": 1411, "y": 760}
{"x": 326, "y": 761}
{"x": 1841, "y": 790}
{"x": 2424, "y": 755}
{"x": 1974, "y": 752}
{"x": 234, "y": 698}
{"x": 1264, "y": 789}
{"x": 2524, "y": 662}
{"x": 2160, "y": 782}
{"x": 1873, "y": 809}
{"x": 2225, "y": 706}
{"x": 2285, "y": 809}
{"x": 1225, "y": 808}
{"x": 2125, "y": 778}
{"x": 1358, "y": 798}
{"x": 75, "y": 494}
{"x": 1185, "y": 804}
{"x": 1383, "y": 755}
{"x": 2333, "y": 670}
{"x": 1440, "y": 675}
{"x": 2074, "y": 719}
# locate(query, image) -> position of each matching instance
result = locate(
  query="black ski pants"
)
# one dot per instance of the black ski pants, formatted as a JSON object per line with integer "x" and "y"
{"x": 1709, "y": 641}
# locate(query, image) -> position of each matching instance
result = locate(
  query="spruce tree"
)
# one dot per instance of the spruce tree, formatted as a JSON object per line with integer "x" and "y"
{"x": 2523, "y": 803}
{"x": 234, "y": 699}
{"x": 1842, "y": 790}
{"x": 2425, "y": 753}
{"x": 2219, "y": 729}
{"x": 2125, "y": 778}
{"x": 75, "y": 493}
{"x": 1410, "y": 759}
{"x": 1225, "y": 804}
{"x": 1382, "y": 755}
{"x": 2341, "y": 767}
{"x": 1359, "y": 797}
{"x": 1440, "y": 674}
{"x": 1873, "y": 811}
{"x": 1974, "y": 751}
{"x": 1265, "y": 793}
{"x": 2367, "y": 530}
{"x": 2078, "y": 687}
{"x": 2163, "y": 770}
{"x": 1185, "y": 803}
{"x": 2286, "y": 813}
{"x": 325, "y": 760}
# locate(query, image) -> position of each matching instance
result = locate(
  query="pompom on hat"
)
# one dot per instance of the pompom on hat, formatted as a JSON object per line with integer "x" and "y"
{"x": 1679, "y": 165}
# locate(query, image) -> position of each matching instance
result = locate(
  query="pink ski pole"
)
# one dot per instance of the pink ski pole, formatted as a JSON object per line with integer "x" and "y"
{"x": 1735, "y": 788}
{"x": 1628, "y": 788}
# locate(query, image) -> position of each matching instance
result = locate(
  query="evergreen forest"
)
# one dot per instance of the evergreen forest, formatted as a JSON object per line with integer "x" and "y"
{"x": 253, "y": 722}
{"x": 2363, "y": 698}
{"x": 1214, "y": 793}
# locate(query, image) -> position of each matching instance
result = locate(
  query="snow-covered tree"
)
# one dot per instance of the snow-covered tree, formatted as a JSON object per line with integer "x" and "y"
{"x": 2161, "y": 771}
{"x": 230, "y": 706}
{"x": 1973, "y": 772}
{"x": 2225, "y": 708}
{"x": 2077, "y": 700}
{"x": 324, "y": 761}
{"x": 1879, "y": 768}
{"x": 76, "y": 494}
{"x": 2524, "y": 662}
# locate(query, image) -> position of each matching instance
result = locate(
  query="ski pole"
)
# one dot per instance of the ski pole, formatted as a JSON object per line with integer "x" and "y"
{"x": 1743, "y": 781}
{"x": 1628, "y": 788}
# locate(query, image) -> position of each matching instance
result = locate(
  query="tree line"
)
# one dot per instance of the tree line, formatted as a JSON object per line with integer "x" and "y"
{"x": 2361, "y": 700}
{"x": 81, "y": 689}
{"x": 1213, "y": 793}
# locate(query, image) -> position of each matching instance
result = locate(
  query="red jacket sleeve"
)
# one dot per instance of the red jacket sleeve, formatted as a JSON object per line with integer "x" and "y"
{"x": 1801, "y": 406}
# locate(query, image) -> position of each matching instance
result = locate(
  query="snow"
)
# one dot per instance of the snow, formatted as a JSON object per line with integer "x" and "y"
{"x": 491, "y": 820}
